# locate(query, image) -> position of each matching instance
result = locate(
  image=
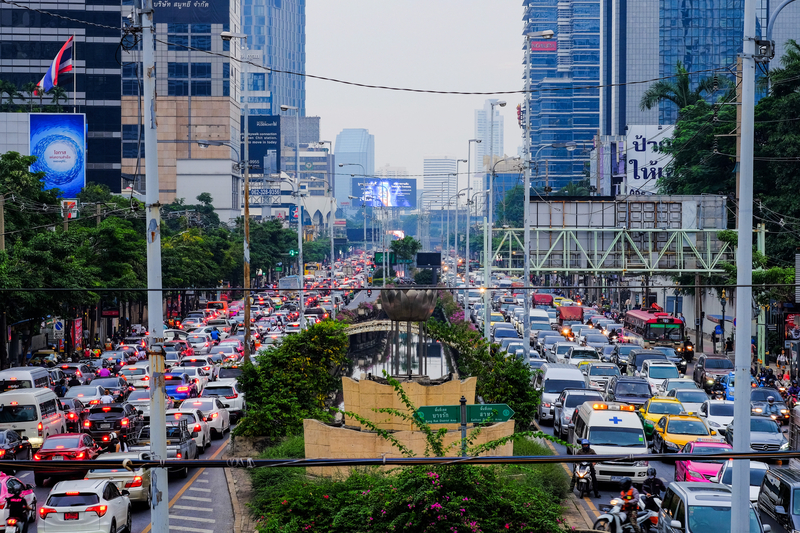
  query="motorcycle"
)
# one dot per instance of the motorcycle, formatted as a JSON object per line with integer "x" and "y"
{"x": 614, "y": 520}
{"x": 369, "y": 293}
{"x": 13, "y": 525}
{"x": 583, "y": 478}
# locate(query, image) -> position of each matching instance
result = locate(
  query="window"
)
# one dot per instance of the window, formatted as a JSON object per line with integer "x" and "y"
{"x": 178, "y": 70}
{"x": 131, "y": 132}
{"x": 680, "y": 512}
{"x": 177, "y": 42}
{"x": 226, "y": 71}
{"x": 132, "y": 150}
{"x": 130, "y": 88}
{"x": 178, "y": 88}
{"x": 201, "y": 28}
{"x": 177, "y": 28}
{"x": 201, "y": 42}
{"x": 201, "y": 88}
{"x": 201, "y": 70}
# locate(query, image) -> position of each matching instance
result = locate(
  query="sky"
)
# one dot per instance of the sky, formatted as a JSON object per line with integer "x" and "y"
{"x": 452, "y": 45}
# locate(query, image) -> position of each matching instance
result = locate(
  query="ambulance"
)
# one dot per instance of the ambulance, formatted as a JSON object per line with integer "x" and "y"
{"x": 612, "y": 428}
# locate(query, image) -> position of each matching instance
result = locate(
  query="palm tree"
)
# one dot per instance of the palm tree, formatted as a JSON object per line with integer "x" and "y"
{"x": 785, "y": 80}
{"x": 6, "y": 87}
{"x": 30, "y": 88}
{"x": 58, "y": 94}
{"x": 679, "y": 91}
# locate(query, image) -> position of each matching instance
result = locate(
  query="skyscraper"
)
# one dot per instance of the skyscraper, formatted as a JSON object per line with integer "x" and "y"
{"x": 483, "y": 129}
{"x": 278, "y": 29}
{"x": 440, "y": 181}
{"x": 564, "y": 106}
{"x": 354, "y": 146}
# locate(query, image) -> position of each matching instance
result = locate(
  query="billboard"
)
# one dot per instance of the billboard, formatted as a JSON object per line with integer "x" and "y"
{"x": 58, "y": 140}
{"x": 192, "y": 11}
{"x": 645, "y": 161}
{"x": 264, "y": 146}
{"x": 429, "y": 259}
{"x": 550, "y": 45}
{"x": 378, "y": 192}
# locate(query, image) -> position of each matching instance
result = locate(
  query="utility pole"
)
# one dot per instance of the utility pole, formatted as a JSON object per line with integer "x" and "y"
{"x": 159, "y": 514}
{"x": 698, "y": 315}
{"x": 761, "y": 246}
{"x": 2, "y": 222}
{"x": 740, "y": 508}
{"x": 3, "y": 324}
{"x": 97, "y": 209}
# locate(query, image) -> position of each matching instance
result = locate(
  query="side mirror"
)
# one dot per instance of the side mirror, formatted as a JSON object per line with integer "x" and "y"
{"x": 714, "y": 479}
{"x": 767, "y": 528}
{"x": 29, "y": 487}
{"x": 126, "y": 493}
{"x": 780, "y": 509}
{"x": 641, "y": 410}
{"x": 713, "y": 432}
{"x": 559, "y": 404}
{"x": 676, "y": 524}
{"x": 24, "y": 437}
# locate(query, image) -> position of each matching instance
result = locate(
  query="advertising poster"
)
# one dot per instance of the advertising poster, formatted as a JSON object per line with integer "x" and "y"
{"x": 549, "y": 45}
{"x": 793, "y": 327}
{"x": 386, "y": 193}
{"x": 192, "y": 11}
{"x": 58, "y": 140}
{"x": 646, "y": 162}
{"x": 265, "y": 140}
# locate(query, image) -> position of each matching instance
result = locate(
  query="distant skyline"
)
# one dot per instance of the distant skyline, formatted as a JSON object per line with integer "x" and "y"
{"x": 449, "y": 45}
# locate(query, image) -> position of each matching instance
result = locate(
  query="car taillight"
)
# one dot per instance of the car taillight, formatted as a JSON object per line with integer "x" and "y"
{"x": 99, "y": 509}
{"x": 125, "y": 422}
{"x": 87, "y": 424}
{"x": 231, "y": 397}
{"x": 37, "y": 457}
{"x": 40, "y": 428}
{"x": 44, "y": 511}
{"x": 206, "y": 344}
{"x": 197, "y": 428}
{"x": 147, "y": 378}
{"x": 72, "y": 416}
{"x": 206, "y": 368}
{"x": 94, "y": 402}
{"x": 78, "y": 373}
{"x": 80, "y": 455}
{"x": 214, "y": 415}
{"x": 137, "y": 482}
{"x": 183, "y": 389}
{"x": 179, "y": 455}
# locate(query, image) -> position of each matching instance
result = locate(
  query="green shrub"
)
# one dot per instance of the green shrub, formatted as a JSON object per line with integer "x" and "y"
{"x": 549, "y": 477}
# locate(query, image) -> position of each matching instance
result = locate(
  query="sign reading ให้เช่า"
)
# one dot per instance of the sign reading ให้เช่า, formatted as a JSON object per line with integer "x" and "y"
{"x": 476, "y": 414}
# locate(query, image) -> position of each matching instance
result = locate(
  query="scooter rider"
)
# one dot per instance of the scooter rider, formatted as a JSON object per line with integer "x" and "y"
{"x": 771, "y": 409}
{"x": 794, "y": 390}
{"x": 630, "y": 502}
{"x": 652, "y": 487}
{"x": 587, "y": 450}
{"x": 17, "y": 506}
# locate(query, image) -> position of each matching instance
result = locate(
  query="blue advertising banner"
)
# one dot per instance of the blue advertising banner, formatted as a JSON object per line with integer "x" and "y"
{"x": 293, "y": 214}
{"x": 393, "y": 192}
{"x": 192, "y": 11}
{"x": 58, "y": 140}
{"x": 264, "y": 145}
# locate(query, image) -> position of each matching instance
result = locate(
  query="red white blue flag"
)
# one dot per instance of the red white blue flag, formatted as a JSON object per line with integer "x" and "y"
{"x": 61, "y": 65}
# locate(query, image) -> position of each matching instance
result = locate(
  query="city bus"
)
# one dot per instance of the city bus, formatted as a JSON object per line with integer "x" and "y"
{"x": 289, "y": 283}
{"x": 650, "y": 329}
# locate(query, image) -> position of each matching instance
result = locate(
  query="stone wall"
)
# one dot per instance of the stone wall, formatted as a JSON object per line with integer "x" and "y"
{"x": 324, "y": 441}
{"x": 360, "y": 397}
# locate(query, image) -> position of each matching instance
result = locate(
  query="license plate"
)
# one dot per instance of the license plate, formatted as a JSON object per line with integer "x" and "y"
{"x": 616, "y": 478}
{"x": 70, "y": 516}
{"x": 57, "y": 458}
{"x": 104, "y": 426}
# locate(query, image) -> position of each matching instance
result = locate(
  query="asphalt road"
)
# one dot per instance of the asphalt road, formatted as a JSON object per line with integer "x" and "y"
{"x": 198, "y": 504}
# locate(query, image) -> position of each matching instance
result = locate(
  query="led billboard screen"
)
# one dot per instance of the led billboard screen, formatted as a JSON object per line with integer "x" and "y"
{"x": 377, "y": 192}
{"x": 58, "y": 141}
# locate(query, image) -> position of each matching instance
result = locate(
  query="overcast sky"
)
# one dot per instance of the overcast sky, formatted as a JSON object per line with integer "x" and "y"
{"x": 461, "y": 45}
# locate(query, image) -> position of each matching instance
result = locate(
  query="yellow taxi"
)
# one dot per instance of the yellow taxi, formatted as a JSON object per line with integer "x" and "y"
{"x": 654, "y": 409}
{"x": 673, "y": 432}
{"x": 557, "y": 301}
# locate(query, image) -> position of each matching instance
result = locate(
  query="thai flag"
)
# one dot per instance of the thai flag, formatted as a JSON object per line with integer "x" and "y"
{"x": 61, "y": 65}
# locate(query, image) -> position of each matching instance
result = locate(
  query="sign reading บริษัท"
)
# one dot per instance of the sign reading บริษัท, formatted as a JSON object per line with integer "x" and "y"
{"x": 192, "y": 11}
{"x": 646, "y": 162}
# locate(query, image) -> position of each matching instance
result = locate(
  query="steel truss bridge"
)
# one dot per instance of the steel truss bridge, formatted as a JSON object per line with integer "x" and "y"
{"x": 608, "y": 250}
{"x": 379, "y": 325}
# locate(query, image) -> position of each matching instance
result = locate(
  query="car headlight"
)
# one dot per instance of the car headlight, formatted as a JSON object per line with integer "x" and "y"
{"x": 671, "y": 446}
{"x": 641, "y": 463}
{"x": 713, "y": 424}
{"x": 695, "y": 474}
{"x": 710, "y": 381}
{"x": 785, "y": 411}
{"x": 545, "y": 404}
{"x": 785, "y": 446}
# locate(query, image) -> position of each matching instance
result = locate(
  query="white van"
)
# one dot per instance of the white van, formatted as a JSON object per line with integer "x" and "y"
{"x": 24, "y": 377}
{"x": 34, "y": 414}
{"x": 612, "y": 428}
{"x": 551, "y": 381}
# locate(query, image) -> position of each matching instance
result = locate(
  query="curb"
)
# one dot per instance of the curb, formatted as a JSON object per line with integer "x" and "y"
{"x": 238, "y": 518}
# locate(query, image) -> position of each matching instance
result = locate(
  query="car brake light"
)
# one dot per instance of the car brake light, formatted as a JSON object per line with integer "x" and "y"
{"x": 40, "y": 427}
{"x": 2, "y": 453}
{"x": 72, "y": 416}
{"x": 231, "y": 397}
{"x": 78, "y": 373}
{"x": 214, "y": 415}
{"x": 105, "y": 438}
{"x": 99, "y": 509}
{"x": 170, "y": 377}
{"x": 125, "y": 422}
{"x": 146, "y": 378}
{"x": 179, "y": 455}
{"x": 206, "y": 368}
{"x": 197, "y": 428}
{"x": 94, "y": 402}
{"x": 106, "y": 409}
{"x": 137, "y": 482}
{"x": 183, "y": 389}
{"x": 80, "y": 455}
{"x": 44, "y": 511}
{"x": 87, "y": 424}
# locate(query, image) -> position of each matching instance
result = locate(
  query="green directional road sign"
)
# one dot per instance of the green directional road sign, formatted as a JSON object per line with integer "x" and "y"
{"x": 440, "y": 414}
{"x": 498, "y": 412}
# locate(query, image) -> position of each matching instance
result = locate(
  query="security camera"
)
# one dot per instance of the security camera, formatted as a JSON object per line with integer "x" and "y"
{"x": 226, "y": 36}
{"x": 501, "y": 103}
{"x": 284, "y": 108}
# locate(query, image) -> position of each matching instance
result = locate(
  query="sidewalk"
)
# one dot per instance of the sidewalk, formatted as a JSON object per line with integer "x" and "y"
{"x": 241, "y": 491}
{"x": 575, "y": 517}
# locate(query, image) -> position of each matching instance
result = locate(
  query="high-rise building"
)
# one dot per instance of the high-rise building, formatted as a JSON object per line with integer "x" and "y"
{"x": 354, "y": 149}
{"x": 278, "y": 29}
{"x": 29, "y": 41}
{"x": 440, "y": 181}
{"x": 564, "y": 107}
{"x": 484, "y": 130}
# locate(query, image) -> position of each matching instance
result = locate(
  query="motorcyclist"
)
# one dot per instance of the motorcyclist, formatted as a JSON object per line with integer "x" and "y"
{"x": 718, "y": 386}
{"x": 794, "y": 390}
{"x": 74, "y": 381}
{"x": 16, "y": 505}
{"x": 652, "y": 487}
{"x": 586, "y": 449}
{"x": 630, "y": 502}
{"x": 772, "y": 408}
{"x": 106, "y": 398}
{"x": 103, "y": 372}
{"x": 112, "y": 445}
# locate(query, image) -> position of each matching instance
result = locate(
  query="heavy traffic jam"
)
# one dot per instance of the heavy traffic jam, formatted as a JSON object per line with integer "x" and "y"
{"x": 629, "y": 383}
{"x": 96, "y": 405}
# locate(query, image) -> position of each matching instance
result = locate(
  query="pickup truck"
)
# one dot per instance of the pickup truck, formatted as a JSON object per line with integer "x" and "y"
{"x": 180, "y": 445}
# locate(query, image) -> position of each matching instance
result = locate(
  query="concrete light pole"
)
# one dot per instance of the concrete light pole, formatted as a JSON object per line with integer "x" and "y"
{"x": 331, "y": 218}
{"x": 469, "y": 218}
{"x": 299, "y": 212}
{"x": 363, "y": 170}
{"x": 487, "y": 232}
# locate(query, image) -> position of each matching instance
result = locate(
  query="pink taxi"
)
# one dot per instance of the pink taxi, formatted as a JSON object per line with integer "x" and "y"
{"x": 701, "y": 470}
{"x": 7, "y": 485}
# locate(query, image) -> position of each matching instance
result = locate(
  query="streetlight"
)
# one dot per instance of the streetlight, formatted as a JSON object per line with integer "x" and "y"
{"x": 457, "y": 196}
{"x": 449, "y": 193}
{"x": 722, "y": 300}
{"x": 362, "y": 192}
{"x": 299, "y": 211}
{"x": 227, "y": 36}
{"x": 469, "y": 216}
{"x": 487, "y": 266}
{"x": 331, "y": 219}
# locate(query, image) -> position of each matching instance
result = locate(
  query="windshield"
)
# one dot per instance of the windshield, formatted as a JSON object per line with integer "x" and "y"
{"x": 139, "y": 395}
{"x": 596, "y": 338}
{"x": 18, "y": 413}
{"x": 624, "y": 350}
{"x": 614, "y": 436}
{"x": 228, "y": 373}
{"x": 62, "y": 443}
{"x": 757, "y": 474}
{"x": 633, "y": 388}
{"x": 761, "y": 395}
{"x": 641, "y": 358}
{"x": 574, "y": 400}
{"x": 703, "y": 518}
{"x": 711, "y": 450}
{"x": 719, "y": 364}
{"x": 687, "y": 427}
{"x": 691, "y": 396}
{"x": 664, "y": 372}
{"x": 554, "y": 386}
{"x": 177, "y": 417}
{"x": 669, "y": 352}
{"x": 203, "y": 405}
{"x": 80, "y": 392}
{"x": 72, "y": 500}
{"x": 135, "y": 371}
{"x": 672, "y": 332}
{"x": 604, "y": 371}
{"x": 14, "y": 384}
{"x": 562, "y": 348}
{"x": 720, "y": 409}
{"x": 764, "y": 425}
{"x": 106, "y": 383}
{"x": 584, "y": 354}
{"x": 665, "y": 408}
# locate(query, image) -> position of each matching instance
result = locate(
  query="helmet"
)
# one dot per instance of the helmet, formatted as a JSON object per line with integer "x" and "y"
{"x": 651, "y": 472}
{"x": 585, "y": 442}
{"x": 112, "y": 436}
{"x": 770, "y": 399}
{"x": 794, "y": 382}
{"x": 625, "y": 484}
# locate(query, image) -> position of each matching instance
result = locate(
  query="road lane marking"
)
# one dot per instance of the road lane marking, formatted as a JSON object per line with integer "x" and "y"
{"x": 202, "y": 480}
{"x": 191, "y": 529}
{"x": 197, "y": 499}
{"x": 190, "y": 508}
{"x": 183, "y": 489}
{"x": 193, "y": 518}
{"x": 199, "y": 488}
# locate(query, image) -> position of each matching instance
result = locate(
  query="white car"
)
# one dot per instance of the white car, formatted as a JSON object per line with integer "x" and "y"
{"x": 85, "y": 505}
{"x": 215, "y": 414}
{"x": 206, "y": 362}
{"x": 291, "y": 327}
{"x": 196, "y": 374}
{"x": 656, "y": 371}
{"x": 140, "y": 399}
{"x": 230, "y": 394}
{"x": 718, "y": 414}
{"x": 692, "y": 400}
{"x": 137, "y": 375}
{"x": 197, "y": 425}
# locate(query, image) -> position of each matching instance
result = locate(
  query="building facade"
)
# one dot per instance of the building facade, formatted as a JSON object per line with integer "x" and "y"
{"x": 485, "y": 130}
{"x": 29, "y": 41}
{"x": 354, "y": 149}
{"x": 440, "y": 183}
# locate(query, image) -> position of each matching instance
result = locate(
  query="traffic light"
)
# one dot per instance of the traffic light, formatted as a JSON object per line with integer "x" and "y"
{"x": 292, "y": 253}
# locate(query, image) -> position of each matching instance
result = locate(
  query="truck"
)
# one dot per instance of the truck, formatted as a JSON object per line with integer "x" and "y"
{"x": 569, "y": 313}
{"x": 180, "y": 445}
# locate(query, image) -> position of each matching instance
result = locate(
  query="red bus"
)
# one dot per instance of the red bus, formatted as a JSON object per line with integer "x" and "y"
{"x": 650, "y": 328}
{"x": 543, "y": 300}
